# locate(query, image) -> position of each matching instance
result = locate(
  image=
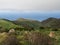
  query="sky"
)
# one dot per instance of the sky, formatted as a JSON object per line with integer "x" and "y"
{"x": 50, "y": 5}
{"x": 35, "y": 15}
{"x": 32, "y": 9}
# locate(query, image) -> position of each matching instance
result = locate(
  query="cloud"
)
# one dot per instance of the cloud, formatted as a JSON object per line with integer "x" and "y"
{"x": 29, "y": 4}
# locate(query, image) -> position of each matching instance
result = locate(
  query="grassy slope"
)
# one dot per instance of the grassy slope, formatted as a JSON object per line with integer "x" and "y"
{"x": 6, "y": 24}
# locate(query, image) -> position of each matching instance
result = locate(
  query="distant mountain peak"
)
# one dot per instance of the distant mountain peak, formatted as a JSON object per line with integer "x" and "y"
{"x": 52, "y": 22}
{"x": 50, "y": 19}
{"x": 22, "y": 19}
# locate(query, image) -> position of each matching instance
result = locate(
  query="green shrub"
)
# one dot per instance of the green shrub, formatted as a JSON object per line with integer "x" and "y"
{"x": 36, "y": 38}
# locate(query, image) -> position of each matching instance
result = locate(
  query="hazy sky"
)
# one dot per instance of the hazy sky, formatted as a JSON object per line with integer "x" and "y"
{"x": 30, "y": 5}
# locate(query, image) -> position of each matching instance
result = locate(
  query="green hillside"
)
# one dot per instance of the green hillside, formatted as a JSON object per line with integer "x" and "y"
{"x": 6, "y": 25}
{"x": 52, "y": 22}
{"x": 30, "y": 32}
{"x": 28, "y": 23}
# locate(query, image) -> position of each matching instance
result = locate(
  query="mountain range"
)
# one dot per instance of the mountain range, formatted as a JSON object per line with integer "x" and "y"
{"x": 27, "y": 23}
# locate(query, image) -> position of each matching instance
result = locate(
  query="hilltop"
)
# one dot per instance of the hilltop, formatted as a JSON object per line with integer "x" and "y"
{"x": 52, "y": 22}
{"x": 28, "y": 23}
